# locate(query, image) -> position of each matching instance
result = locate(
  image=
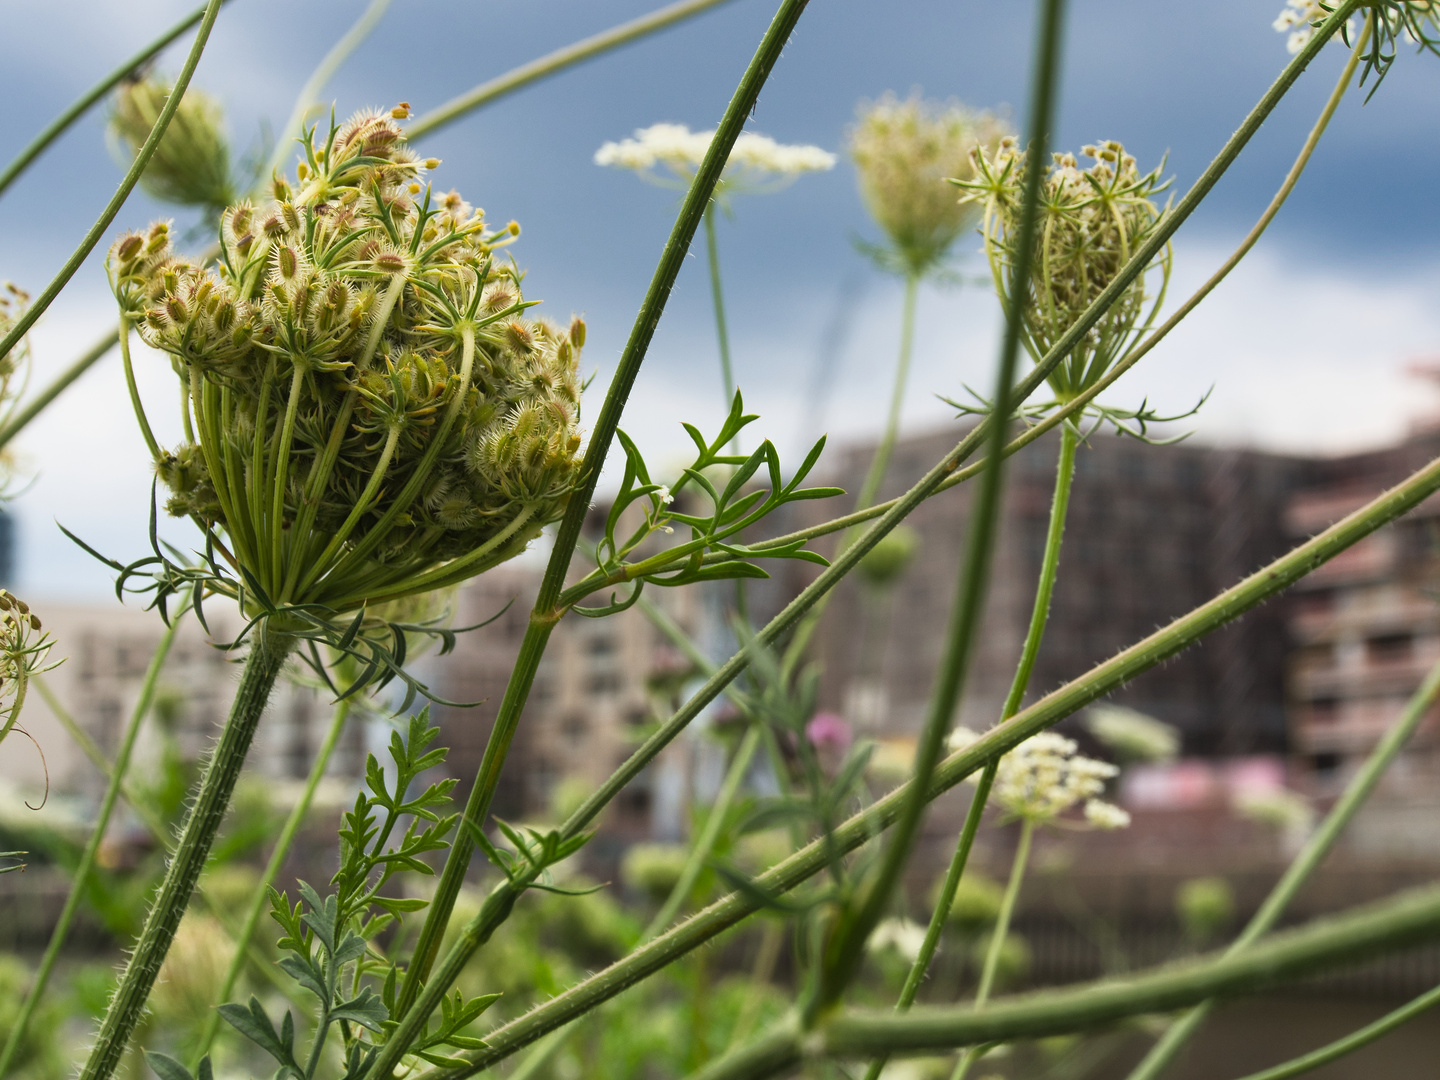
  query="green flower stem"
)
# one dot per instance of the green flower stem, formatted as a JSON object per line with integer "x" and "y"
{"x": 556, "y": 62}
{"x": 997, "y": 938}
{"x": 704, "y": 845}
{"x": 83, "y": 104}
{"x": 1305, "y": 863}
{"x": 846, "y": 948}
{"x": 135, "y": 403}
{"x": 92, "y": 848}
{"x": 1368, "y": 931}
{"x": 1352, "y": 1042}
{"x": 309, "y": 95}
{"x": 949, "y": 468}
{"x": 267, "y": 655}
{"x": 1049, "y": 710}
{"x": 142, "y": 158}
{"x": 261, "y": 901}
{"x": 17, "y": 421}
{"x": 1039, "y": 616}
{"x": 717, "y": 296}
{"x": 881, "y": 462}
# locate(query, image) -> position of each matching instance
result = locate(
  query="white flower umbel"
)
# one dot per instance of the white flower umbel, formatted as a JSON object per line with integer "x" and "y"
{"x": 670, "y": 155}
{"x": 903, "y": 935}
{"x": 1044, "y": 777}
{"x": 1300, "y": 18}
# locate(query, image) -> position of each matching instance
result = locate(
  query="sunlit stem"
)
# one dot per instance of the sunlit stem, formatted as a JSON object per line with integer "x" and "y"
{"x": 135, "y": 402}
{"x": 997, "y": 939}
{"x": 80, "y": 882}
{"x": 717, "y": 297}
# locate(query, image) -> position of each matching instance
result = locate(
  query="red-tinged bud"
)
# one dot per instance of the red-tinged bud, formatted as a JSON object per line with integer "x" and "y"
{"x": 577, "y": 332}
{"x": 389, "y": 262}
{"x": 129, "y": 246}
{"x": 286, "y": 261}
{"x": 244, "y": 244}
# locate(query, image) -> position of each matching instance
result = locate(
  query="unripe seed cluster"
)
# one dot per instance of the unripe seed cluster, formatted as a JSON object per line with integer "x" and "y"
{"x": 359, "y": 363}
{"x": 1091, "y": 222}
{"x": 191, "y": 166}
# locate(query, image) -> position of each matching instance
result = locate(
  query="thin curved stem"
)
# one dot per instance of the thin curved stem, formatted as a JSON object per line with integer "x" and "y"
{"x": 717, "y": 298}
{"x": 135, "y": 403}
{"x": 261, "y": 900}
{"x": 267, "y": 656}
{"x": 556, "y": 62}
{"x": 83, "y": 104}
{"x": 86, "y": 865}
{"x": 309, "y": 95}
{"x": 704, "y": 845}
{"x": 545, "y": 614}
{"x": 142, "y": 159}
{"x": 881, "y": 461}
{"x": 1356, "y": 1040}
{"x": 1039, "y": 616}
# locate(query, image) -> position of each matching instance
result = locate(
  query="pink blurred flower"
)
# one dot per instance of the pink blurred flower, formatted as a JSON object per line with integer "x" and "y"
{"x": 829, "y": 734}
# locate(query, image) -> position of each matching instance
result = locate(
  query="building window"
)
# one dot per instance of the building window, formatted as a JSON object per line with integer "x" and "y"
{"x": 603, "y": 683}
{"x": 1389, "y": 648}
{"x": 1326, "y": 764}
{"x": 1324, "y": 710}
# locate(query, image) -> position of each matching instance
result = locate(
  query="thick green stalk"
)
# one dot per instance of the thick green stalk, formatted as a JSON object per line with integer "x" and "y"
{"x": 717, "y": 298}
{"x": 142, "y": 158}
{"x": 845, "y": 949}
{"x": 1049, "y": 710}
{"x": 17, "y": 421}
{"x": 997, "y": 938}
{"x": 1039, "y": 616}
{"x": 1364, "y": 932}
{"x": 309, "y": 95}
{"x": 546, "y": 613}
{"x": 262, "y": 666}
{"x": 82, "y": 105}
{"x": 704, "y": 845}
{"x": 1305, "y": 863}
{"x": 260, "y": 903}
{"x": 556, "y": 62}
{"x": 92, "y": 847}
{"x": 1356, "y": 1040}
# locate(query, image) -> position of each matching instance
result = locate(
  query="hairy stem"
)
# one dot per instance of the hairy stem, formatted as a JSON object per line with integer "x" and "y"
{"x": 1049, "y": 710}
{"x": 262, "y": 666}
{"x": 92, "y": 848}
{"x": 545, "y": 613}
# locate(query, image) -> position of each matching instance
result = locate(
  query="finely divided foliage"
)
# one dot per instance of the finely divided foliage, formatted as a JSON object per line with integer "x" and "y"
{"x": 372, "y": 415}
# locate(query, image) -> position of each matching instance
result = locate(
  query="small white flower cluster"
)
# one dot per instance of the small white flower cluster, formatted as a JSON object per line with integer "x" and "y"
{"x": 903, "y": 935}
{"x": 756, "y": 163}
{"x": 1044, "y": 776}
{"x": 1300, "y": 17}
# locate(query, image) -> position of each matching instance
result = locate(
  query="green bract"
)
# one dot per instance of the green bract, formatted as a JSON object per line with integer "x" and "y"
{"x": 1091, "y": 222}
{"x": 373, "y": 415}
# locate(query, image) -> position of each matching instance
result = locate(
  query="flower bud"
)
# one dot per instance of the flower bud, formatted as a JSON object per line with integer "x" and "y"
{"x": 191, "y": 166}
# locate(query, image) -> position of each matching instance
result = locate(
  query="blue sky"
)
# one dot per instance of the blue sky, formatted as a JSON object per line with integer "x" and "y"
{"x": 1306, "y": 346}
